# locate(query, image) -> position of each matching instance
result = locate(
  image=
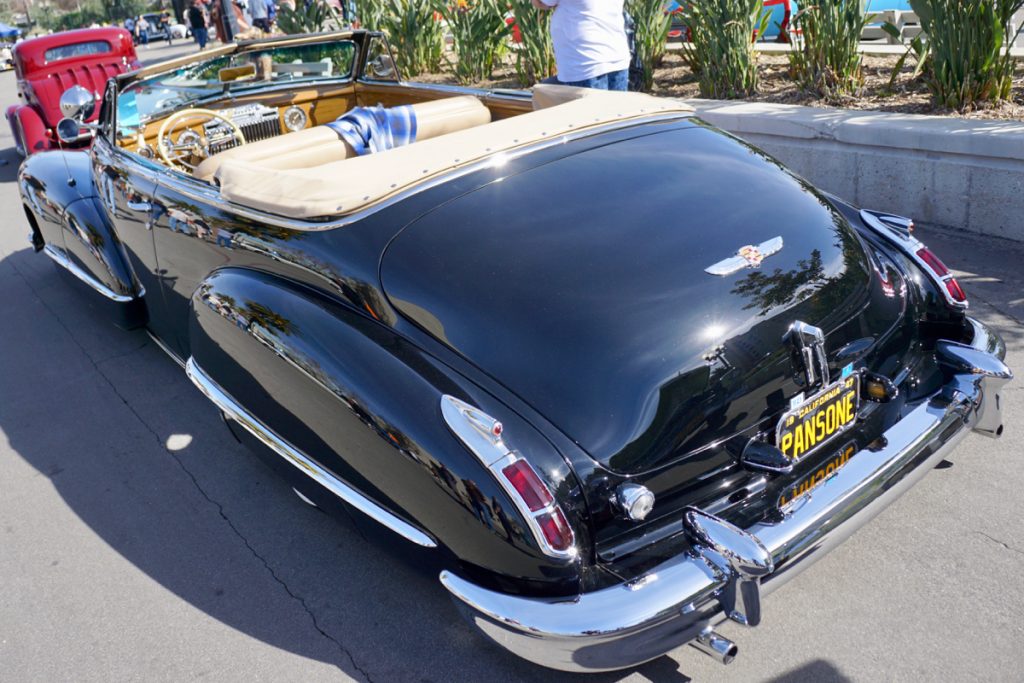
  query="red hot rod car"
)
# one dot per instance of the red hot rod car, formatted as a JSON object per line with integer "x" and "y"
{"x": 49, "y": 65}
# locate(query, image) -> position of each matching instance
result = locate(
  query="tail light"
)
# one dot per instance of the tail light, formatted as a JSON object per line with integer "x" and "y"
{"x": 482, "y": 435}
{"x": 897, "y": 230}
{"x": 941, "y": 274}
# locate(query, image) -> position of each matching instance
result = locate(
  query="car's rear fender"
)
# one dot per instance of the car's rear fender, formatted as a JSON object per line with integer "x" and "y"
{"x": 357, "y": 409}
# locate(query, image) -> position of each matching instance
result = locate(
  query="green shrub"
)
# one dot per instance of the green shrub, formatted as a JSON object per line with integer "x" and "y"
{"x": 416, "y": 37}
{"x": 370, "y": 14}
{"x": 721, "y": 52}
{"x": 826, "y": 59}
{"x": 964, "y": 41}
{"x": 535, "y": 57}
{"x": 478, "y": 32}
{"x": 303, "y": 18}
{"x": 652, "y": 24}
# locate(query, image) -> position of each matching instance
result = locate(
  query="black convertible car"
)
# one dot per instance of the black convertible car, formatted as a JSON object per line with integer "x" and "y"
{"x": 611, "y": 372}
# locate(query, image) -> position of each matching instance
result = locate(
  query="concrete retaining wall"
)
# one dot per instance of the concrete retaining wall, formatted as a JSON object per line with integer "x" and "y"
{"x": 965, "y": 174}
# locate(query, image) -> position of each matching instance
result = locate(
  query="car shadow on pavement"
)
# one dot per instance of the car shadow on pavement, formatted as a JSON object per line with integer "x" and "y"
{"x": 818, "y": 671}
{"x": 10, "y": 160}
{"x": 143, "y": 459}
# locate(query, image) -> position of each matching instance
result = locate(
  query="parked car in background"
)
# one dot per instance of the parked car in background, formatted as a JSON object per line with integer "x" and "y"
{"x": 606, "y": 425}
{"x": 156, "y": 30}
{"x": 48, "y": 65}
{"x": 782, "y": 12}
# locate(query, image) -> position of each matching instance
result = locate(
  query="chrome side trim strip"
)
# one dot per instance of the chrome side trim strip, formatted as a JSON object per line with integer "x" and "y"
{"x": 301, "y": 461}
{"x": 61, "y": 258}
{"x": 165, "y": 348}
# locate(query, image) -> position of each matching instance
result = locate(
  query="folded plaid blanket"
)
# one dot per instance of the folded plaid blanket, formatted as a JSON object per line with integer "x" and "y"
{"x": 376, "y": 129}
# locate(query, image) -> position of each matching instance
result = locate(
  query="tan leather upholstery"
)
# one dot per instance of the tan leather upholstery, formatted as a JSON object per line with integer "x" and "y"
{"x": 347, "y": 186}
{"x": 321, "y": 145}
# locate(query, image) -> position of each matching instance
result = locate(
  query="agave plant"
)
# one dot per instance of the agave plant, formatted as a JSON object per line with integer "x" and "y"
{"x": 652, "y": 24}
{"x": 478, "y": 31}
{"x": 966, "y": 41}
{"x": 721, "y": 48}
{"x": 415, "y": 34}
{"x": 535, "y": 56}
{"x": 305, "y": 17}
{"x": 826, "y": 59}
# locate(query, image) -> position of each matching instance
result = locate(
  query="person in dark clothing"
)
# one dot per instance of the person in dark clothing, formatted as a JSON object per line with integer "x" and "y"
{"x": 197, "y": 21}
{"x": 165, "y": 26}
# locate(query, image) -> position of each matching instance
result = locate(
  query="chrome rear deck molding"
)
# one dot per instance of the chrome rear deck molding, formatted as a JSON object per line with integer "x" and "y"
{"x": 61, "y": 258}
{"x": 301, "y": 461}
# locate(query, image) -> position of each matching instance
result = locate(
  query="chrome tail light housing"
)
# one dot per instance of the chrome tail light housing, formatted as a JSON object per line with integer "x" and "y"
{"x": 484, "y": 437}
{"x": 898, "y": 231}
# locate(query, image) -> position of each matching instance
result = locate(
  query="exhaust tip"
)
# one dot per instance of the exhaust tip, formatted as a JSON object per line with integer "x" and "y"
{"x": 716, "y": 646}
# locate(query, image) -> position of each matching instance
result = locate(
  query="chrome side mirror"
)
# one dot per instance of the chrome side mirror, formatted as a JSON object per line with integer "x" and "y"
{"x": 77, "y": 103}
{"x": 68, "y": 130}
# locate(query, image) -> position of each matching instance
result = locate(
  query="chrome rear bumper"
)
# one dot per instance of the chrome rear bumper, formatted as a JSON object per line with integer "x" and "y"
{"x": 680, "y": 599}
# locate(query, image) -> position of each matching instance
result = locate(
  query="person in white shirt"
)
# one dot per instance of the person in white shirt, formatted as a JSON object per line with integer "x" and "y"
{"x": 589, "y": 38}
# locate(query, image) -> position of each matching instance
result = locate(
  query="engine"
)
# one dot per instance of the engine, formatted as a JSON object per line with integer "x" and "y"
{"x": 257, "y": 122}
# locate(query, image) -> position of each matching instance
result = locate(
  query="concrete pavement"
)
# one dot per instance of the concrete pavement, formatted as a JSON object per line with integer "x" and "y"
{"x": 139, "y": 541}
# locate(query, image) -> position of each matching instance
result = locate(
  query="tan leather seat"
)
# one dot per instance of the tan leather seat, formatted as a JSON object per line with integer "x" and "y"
{"x": 347, "y": 186}
{"x": 321, "y": 145}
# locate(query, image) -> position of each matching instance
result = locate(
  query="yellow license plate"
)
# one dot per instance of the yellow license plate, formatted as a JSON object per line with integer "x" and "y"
{"x": 819, "y": 418}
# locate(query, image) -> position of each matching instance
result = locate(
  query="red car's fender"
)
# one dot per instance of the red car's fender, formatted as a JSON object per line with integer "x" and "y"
{"x": 29, "y": 130}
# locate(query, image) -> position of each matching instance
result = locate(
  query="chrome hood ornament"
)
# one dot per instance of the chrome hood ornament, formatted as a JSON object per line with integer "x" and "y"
{"x": 748, "y": 256}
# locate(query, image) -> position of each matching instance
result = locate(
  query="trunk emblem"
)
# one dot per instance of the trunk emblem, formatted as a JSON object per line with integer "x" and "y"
{"x": 748, "y": 256}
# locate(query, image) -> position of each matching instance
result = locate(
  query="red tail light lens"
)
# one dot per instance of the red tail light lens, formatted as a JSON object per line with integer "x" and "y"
{"x": 933, "y": 261}
{"x": 556, "y": 530}
{"x": 945, "y": 278}
{"x": 533, "y": 498}
{"x": 529, "y": 486}
{"x": 953, "y": 287}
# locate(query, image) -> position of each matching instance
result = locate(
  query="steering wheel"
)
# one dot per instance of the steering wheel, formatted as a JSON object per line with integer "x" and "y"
{"x": 175, "y": 154}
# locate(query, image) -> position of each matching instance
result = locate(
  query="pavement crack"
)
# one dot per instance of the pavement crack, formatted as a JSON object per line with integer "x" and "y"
{"x": 998, "y": 542}
{"x": 122, "y": 355}
{"x": 195, "y": 482}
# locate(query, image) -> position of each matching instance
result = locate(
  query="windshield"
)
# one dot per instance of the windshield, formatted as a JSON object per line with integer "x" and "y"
{"x": 93, "y": 47}
{"x": 153, "y": 97}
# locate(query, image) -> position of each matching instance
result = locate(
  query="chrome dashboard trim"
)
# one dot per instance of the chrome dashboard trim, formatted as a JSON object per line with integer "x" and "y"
{"x": 303, "y": 462}
{"x": 61, "y": 258}
{"x": 676, "y": 601}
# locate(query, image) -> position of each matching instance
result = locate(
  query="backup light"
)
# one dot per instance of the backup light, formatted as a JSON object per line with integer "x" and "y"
{"x": 635, "y": 500}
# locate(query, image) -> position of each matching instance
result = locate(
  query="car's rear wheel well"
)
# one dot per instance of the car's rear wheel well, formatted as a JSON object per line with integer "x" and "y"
{"x": 37, "y": 236}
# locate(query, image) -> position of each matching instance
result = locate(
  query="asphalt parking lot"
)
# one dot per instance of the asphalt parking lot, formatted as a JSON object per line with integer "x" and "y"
{"x": 140, "y": 541}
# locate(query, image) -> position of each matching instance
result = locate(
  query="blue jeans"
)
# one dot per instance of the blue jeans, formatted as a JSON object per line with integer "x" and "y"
{"x": 201, "y": 35}
{"x": 614, "y": 80}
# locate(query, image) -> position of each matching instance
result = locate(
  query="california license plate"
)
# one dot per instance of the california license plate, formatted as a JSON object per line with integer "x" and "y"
{"x": 827, "y": 413}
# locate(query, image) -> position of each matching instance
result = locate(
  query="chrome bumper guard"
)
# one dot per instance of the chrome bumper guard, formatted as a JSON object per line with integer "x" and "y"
{"x": 729, "y": 569}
